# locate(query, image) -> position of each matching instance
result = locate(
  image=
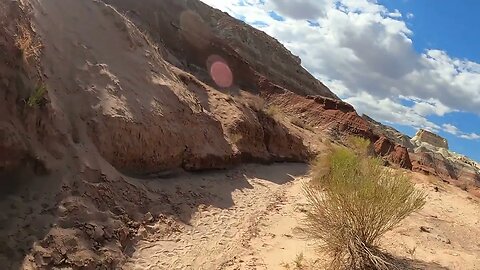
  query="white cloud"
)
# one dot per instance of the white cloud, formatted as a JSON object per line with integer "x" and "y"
{"x": 429, "y": 106}
{"x": 300, "y": 9}
{"x": 451, "y": 129}
{"x": 395, "y": 14}
{"x": 364, "y": 6}
{"x": 364, "y": 53}
{"x": 470, "y": 136}
{"x": 390, "y": 111}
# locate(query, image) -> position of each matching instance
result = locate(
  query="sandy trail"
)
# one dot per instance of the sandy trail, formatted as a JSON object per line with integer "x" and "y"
{"x": 248, "y": 218}
{"x": 220, "y": 231}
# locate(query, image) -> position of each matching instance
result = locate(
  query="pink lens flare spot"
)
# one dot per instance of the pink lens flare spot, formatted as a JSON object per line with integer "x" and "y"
{"x": 221, "y": 73}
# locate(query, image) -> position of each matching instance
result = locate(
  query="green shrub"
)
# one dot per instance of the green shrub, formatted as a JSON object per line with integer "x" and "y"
{"x": 358, "y": 144}
{"x": 36, "y": 97}
{"x": 353, "y": 203}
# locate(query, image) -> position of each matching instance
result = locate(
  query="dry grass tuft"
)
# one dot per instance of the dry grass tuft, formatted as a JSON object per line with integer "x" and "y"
{"x": 299, "y": 261}
{"x": 255, "y": 102}
{"x": 353, "y": 203}
{"x": 235, "y": 138}
{"x": 359, "y": 145}
{"x": 26, "y": 43}
{"x": 273, "y": 111}
{"x": 301, "y": 123}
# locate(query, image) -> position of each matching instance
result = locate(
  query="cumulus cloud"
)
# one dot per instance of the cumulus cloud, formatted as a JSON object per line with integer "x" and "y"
{"x": 363, "y": 52}
{"x": 449, "y": 128}
{"x": 390, "y": 111}
{"x": 301, "y": 9}
{"x": 429, "y": 106}
{"x": 470, "y": 136}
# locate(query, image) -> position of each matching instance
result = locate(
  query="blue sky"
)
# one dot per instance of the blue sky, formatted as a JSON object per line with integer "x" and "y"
{"x": 449, "y": 26}
{"x": 408, "y": 63}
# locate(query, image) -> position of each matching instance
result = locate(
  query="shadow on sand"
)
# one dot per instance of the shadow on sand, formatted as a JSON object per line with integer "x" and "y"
{"x": 411, "y": 264}
{"x": 182, "y": 195}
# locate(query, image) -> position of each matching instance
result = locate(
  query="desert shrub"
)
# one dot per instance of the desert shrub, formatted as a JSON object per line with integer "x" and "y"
{"x": 273, "y": 111}
{"x": 37, "y": 96}
{"x": 255, "y": 102}
{"x": 353, "y": 204}
{"x": 358, "y": 144}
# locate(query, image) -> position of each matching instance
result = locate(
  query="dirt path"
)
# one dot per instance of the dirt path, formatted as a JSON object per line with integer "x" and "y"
{"x": 224, "y": 234}
{"x": 248, "y": 218}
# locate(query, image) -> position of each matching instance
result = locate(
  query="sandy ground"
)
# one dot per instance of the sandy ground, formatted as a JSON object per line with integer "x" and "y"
{"x": 249, "y": 218}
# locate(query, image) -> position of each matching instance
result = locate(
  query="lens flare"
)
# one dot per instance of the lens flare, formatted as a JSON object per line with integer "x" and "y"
{"x": 220, "y": 72}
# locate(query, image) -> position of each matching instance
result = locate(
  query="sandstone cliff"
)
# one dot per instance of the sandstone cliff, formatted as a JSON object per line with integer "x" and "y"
{"x": 194, "y": 32}
{"x": 96, "y": 95}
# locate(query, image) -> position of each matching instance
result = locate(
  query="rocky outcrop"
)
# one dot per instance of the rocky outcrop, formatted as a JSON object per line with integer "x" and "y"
{"x": 336, "y": 118}
{"x": 383, "y": 146}
{"x": 394, "y": 153}
{"x": 330, "y": 116}
{"x": 433, "y": 164}
{"x": 401, "y": 157}
{"x": 431, "y": 156}
{"x": 389, "y": 132}
{"x": 425, "y": 136}
{"x": 447, "y": 168}
{"x": 280, "y": 142}
{"x": 428, "y": 153}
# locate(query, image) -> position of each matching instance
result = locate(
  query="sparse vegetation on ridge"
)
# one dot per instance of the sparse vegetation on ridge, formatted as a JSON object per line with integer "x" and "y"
{"x": 26, "y": 43}
{"x": 354, "y": 201}
{"x": 273, "y": 111}
{"x": 37, "y": 96}
{"x": 301, "y": 123}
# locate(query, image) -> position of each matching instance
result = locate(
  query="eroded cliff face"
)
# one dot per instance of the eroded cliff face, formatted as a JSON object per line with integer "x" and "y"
{"x": 89, "y": 101}
{"x": 194, "y": 32}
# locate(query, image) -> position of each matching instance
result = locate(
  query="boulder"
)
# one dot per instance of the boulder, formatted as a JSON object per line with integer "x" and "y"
{"x": 383, "y": 146}
{"x": 401, "y": 157}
